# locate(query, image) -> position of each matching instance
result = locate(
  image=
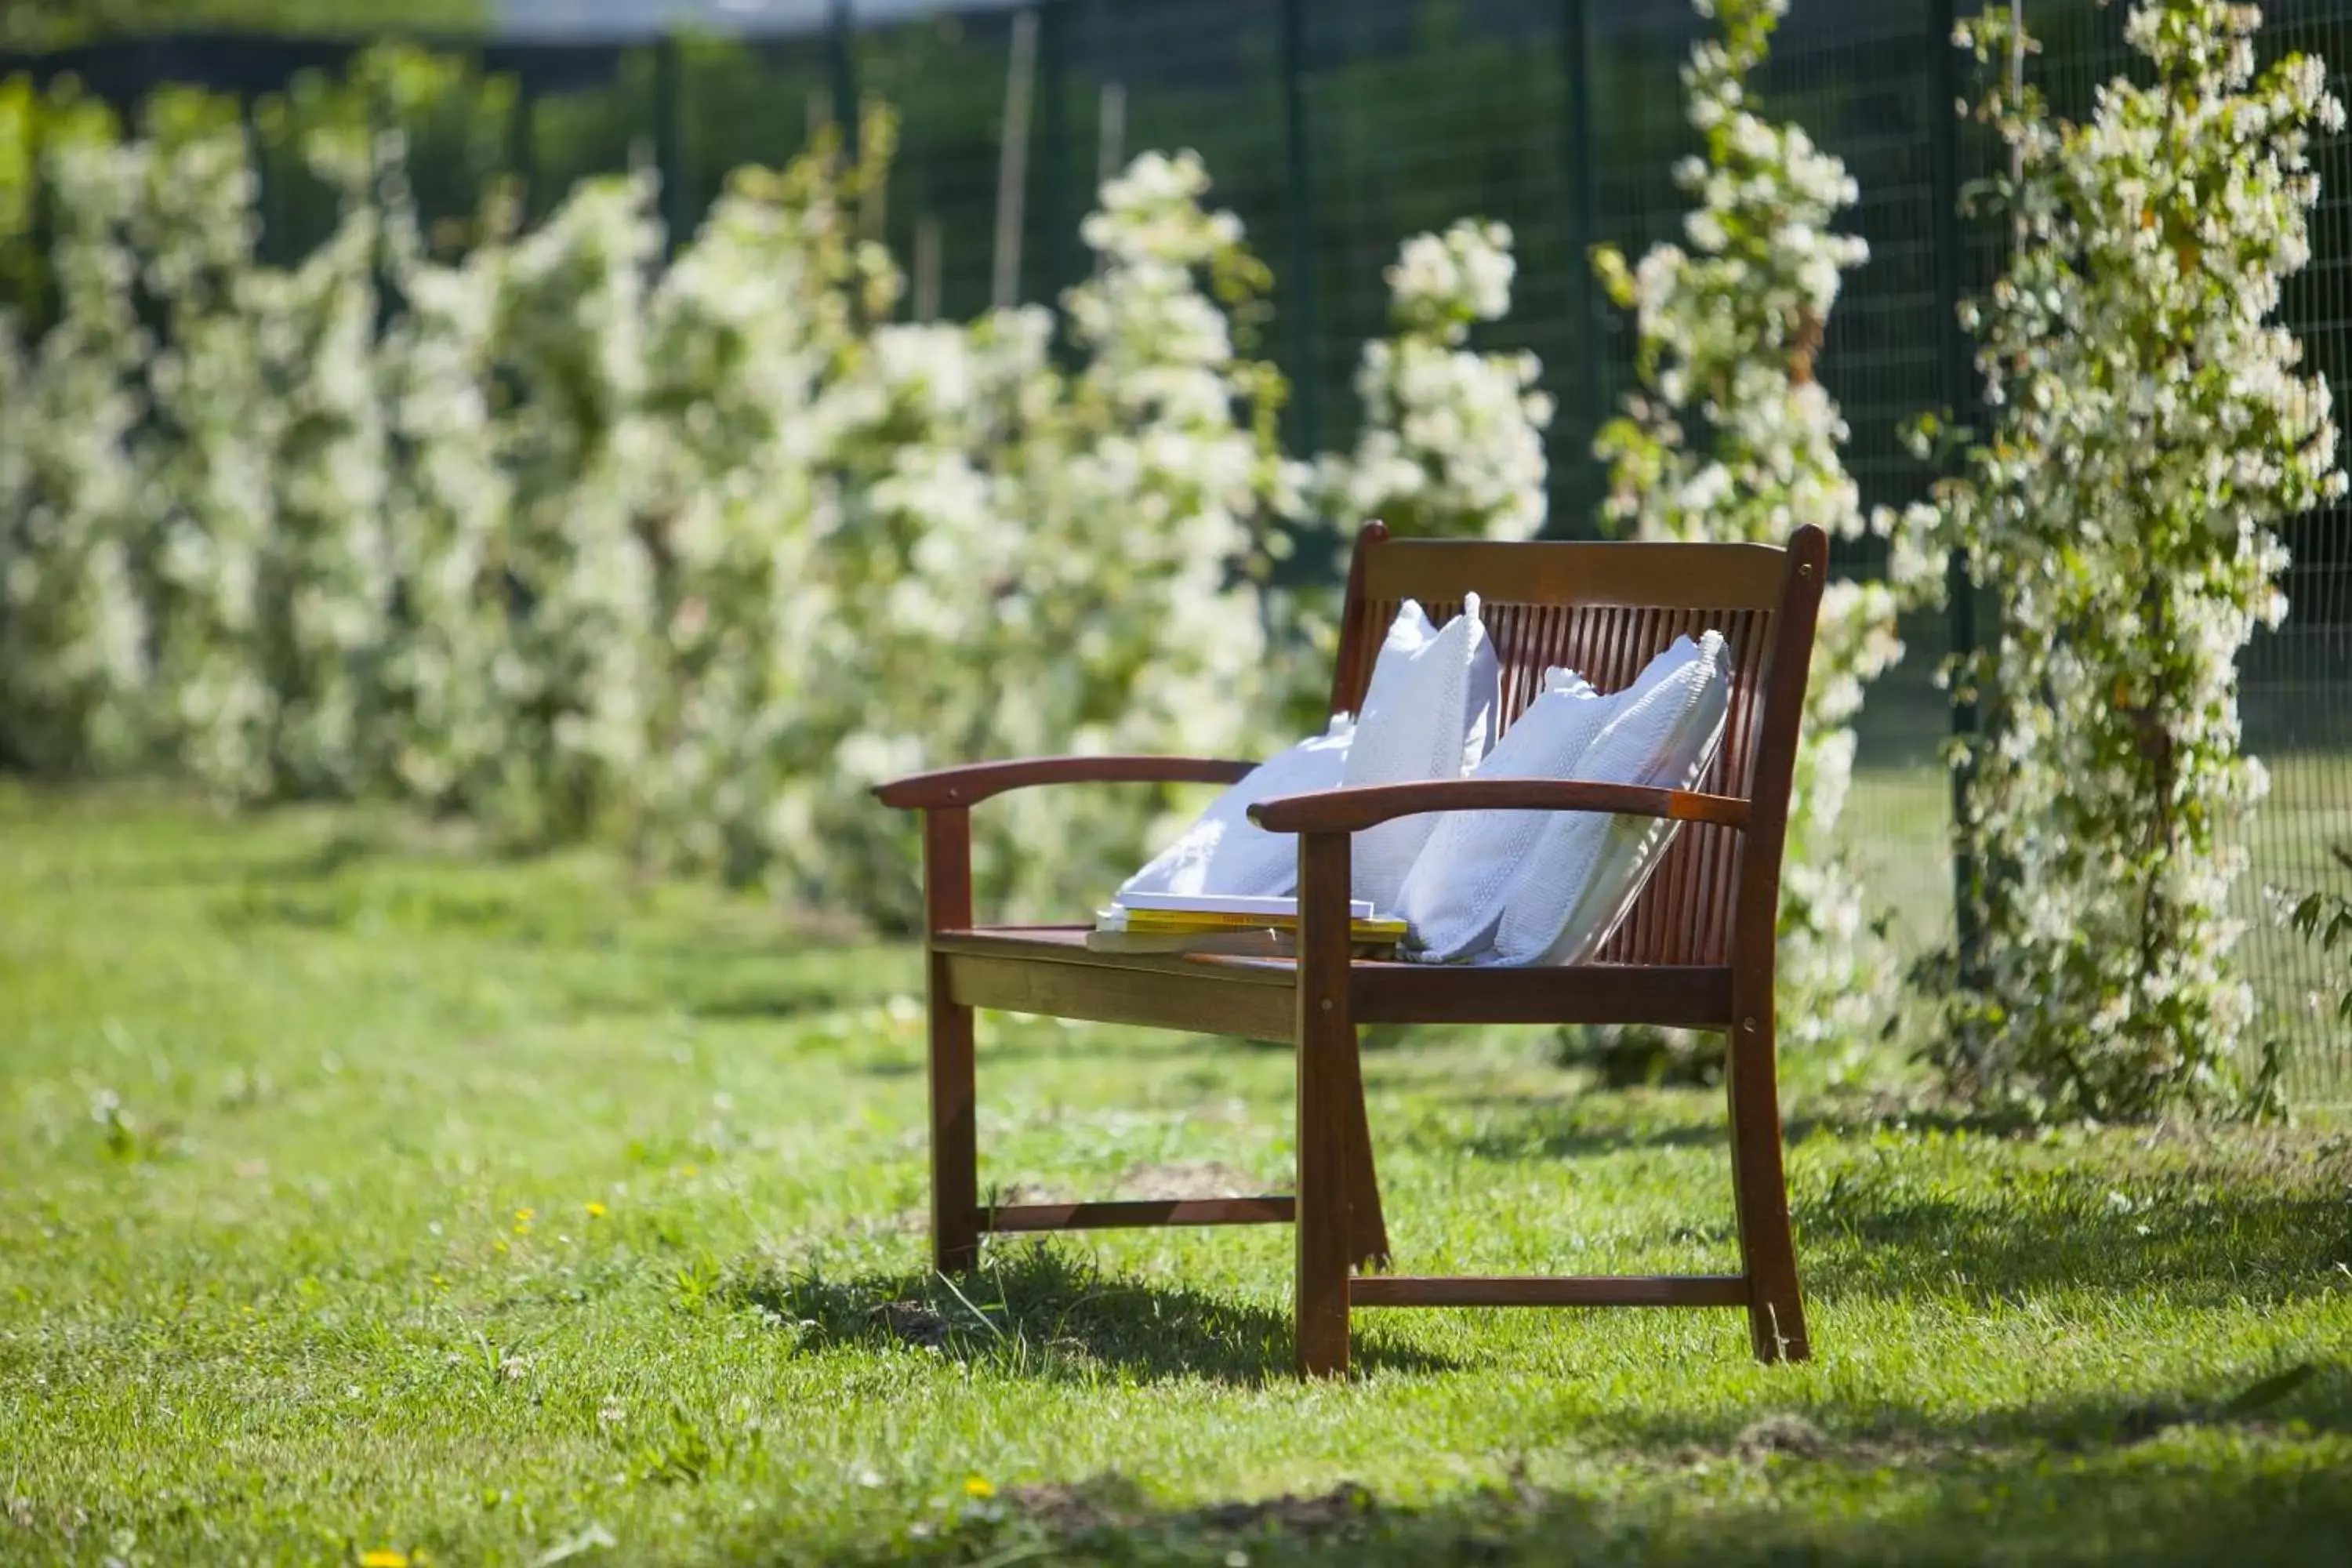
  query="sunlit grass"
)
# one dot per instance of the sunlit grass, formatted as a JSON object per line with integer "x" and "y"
{"x": 361, "y": 1194}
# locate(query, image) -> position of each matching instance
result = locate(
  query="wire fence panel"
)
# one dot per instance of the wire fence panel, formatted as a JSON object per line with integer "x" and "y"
{"x": 1337, "y": 128}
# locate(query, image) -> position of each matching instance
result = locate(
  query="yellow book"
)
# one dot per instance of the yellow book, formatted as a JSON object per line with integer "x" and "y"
{"x": 1178, "y": 913}
{"x": 1159, "y": 920}
{"x": 1261, "y": 942}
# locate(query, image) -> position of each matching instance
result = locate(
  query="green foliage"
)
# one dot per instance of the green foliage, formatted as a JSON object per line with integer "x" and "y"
{"x": 2324, "y": 918}
{"x": 56, "y": 24}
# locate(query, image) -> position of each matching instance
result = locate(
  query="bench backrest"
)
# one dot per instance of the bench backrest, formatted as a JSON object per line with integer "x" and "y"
{"x": 1604, "y": 610}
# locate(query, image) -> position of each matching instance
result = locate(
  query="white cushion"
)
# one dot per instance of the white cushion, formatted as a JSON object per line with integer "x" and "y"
{"x": 1584, "y": 870}
{"x": 1453, "y": 896}
{"x": 1223, "y": 851}
{"x": 1429, "y": 712}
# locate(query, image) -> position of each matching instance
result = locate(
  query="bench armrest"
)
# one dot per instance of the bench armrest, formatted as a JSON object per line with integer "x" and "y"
{"x": 1367, "y": 806}
{"x": 978, "y": 781}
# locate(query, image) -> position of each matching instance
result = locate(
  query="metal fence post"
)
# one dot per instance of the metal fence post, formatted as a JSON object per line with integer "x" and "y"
{"x": 670, "y": 142}
{"x": 1300, "y": 333}
{"x": 1960, "y": 599}
{"x": 1592, "y": 400}
{"x": 522, "y": 149}
{"x": 1053, "y": 88}
{"x": 41, "y": 265}
{"x": 844, "y": 67}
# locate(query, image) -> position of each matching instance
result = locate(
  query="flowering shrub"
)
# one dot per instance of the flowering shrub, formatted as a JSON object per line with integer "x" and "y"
{"x": 73, "y": 628}
{"x": 445, "y": 721}
{"x": 567, "y": 542}
{"x": 212, "y": 585}
{"x": 1452, "y": 443}
{"x": 754, "y": 350}
{"x": 1729, "y": 436}
{"x": 1089, "y": 541}
{"x": 2148, "y": 428}
{"x": 581, "y": 450}
{"x": 327, "y": 586}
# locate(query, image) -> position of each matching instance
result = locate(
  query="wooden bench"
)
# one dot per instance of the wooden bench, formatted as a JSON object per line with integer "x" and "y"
{"x": 1695, "y": 952}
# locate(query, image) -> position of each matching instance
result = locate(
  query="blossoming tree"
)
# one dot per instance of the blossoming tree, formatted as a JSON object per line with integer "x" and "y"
{"x": 1729, "y": 434}
{"x": 2148, "y": 428}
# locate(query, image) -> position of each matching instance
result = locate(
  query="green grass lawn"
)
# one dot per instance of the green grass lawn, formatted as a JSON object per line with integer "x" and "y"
{"x": 365, "y": 1200}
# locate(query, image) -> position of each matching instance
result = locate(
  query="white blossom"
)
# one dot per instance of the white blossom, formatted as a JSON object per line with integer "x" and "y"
{"x": 1729, "y": 436}
{"x": 74, "y": 693}
{"x": 568, "y": 540}
{"x": 1452, "y": 440}
{"x": 2147, "y": 430}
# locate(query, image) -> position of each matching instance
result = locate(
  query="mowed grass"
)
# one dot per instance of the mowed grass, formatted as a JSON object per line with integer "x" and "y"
{"x": 365, "y": 1200}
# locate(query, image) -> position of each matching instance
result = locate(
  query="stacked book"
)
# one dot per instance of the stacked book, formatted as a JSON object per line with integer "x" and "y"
{"x": 1267, "y": 928}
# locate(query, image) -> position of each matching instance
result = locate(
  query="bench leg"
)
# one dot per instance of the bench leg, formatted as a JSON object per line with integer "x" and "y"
{"x": 1327, "y": 1051}
{"x": 1776, "y": 1311}
{"x": 1368, "y": 1231}
{"x": 955, "y": 1151}
{"x": 955, "y": 1154}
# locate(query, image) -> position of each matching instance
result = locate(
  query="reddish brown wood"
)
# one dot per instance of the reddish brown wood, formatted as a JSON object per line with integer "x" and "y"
{"x": 1357, "y": 634}
{"x": 1353, "y": 810}
{"x": 1327, "y": 1040}
{"x": 1507, "y": 1290}
{"x": 1143, "y": 1213}
{"x": 1776, "y": 1310}
{"x": 1698, "y": 950}
{"x": 1367, "y": 1229}
{"x": 1117, "y": 992}
{"x": 1681, "y": 997}
{"x": 955, "y": 1148}
{"x": 1044, "y": 970}
{"x": 1715, "y": 577}
{"x": 978, "y": 781}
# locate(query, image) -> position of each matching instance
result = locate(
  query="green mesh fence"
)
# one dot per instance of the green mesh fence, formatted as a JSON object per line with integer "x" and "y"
{"x": 1336, "y": 129}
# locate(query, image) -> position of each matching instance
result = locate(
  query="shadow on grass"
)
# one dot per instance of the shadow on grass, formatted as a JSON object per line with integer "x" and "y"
{"x": 1037, "y": 1311}
{"x": 2194, "y": 1220}
{"x": 1612, "y": 1124}
{"x": 2073, "y": 1231}
{"x": 1778, "y": 1493}
{"x": 2249, "y": 1402}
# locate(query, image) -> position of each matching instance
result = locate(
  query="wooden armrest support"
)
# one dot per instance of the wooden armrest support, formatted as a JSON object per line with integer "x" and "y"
{"x": 1353, "y": 810}
{"x": 978, "y": 781}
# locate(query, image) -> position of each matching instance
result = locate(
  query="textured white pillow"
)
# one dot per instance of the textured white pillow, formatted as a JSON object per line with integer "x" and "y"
{"x": 1453, "y": 896}
{"x": 1223, "y": 851}
{"x": 1428, "y": 713}
{"x": 1580, "y": 877}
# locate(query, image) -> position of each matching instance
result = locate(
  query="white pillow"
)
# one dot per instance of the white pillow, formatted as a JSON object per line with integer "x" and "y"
{"x": 1579, "y": 880}
{"x": 1428, "y": 713}
{"x": 1453, "y": 896}
{"x": 1223, "y": 851}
